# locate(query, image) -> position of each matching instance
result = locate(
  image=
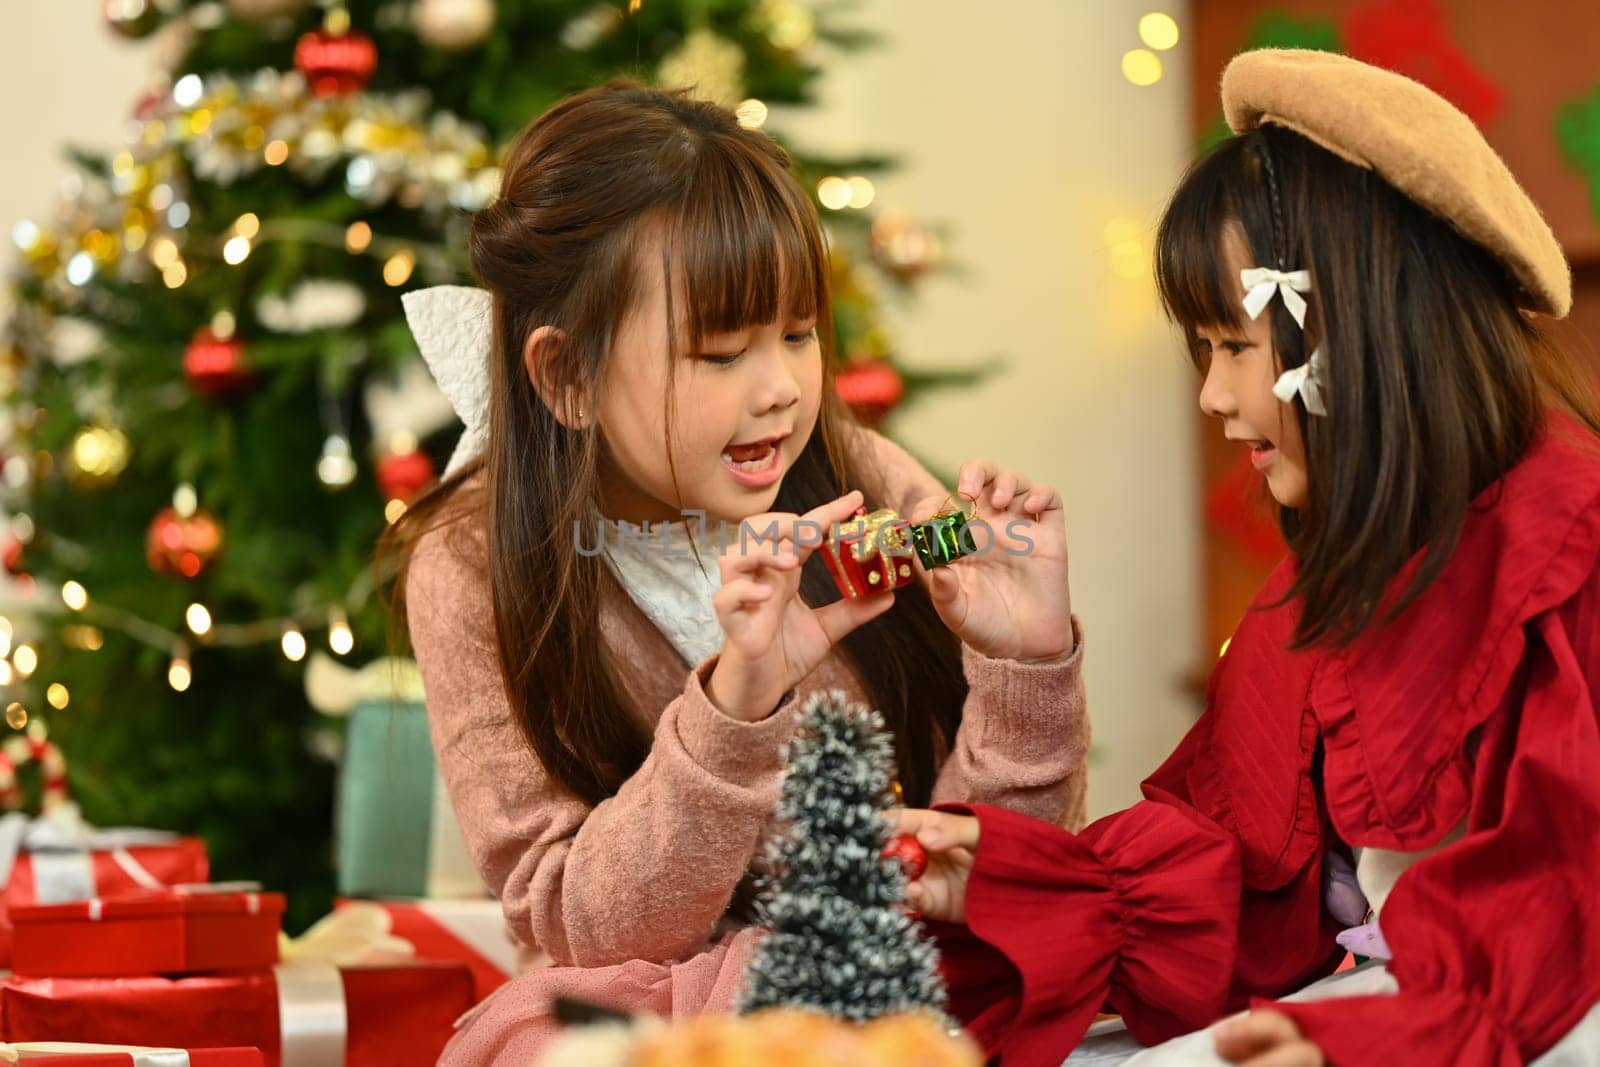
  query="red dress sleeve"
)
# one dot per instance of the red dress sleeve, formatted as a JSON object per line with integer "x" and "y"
{"x": 1175, "y": 910}
{"x": 1141, "y": 914}
{"x": 1497, "y": 939}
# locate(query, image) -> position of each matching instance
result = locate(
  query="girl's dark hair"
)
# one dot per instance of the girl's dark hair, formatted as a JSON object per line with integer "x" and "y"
{"x": 1435, "y": 383}
{"x": 589, "y": 187}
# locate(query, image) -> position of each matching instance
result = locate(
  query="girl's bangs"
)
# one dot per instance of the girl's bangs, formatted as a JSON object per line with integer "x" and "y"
{"x": 747, "y": 247}
{"x": 1191, "y": 276}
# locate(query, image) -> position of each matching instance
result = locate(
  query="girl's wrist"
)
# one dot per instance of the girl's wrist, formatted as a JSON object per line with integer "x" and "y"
{"x": 725, "y": 694}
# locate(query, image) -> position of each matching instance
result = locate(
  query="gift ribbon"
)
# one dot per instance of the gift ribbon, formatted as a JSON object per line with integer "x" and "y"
{"x": 311, "y": 1014}
{"x": 356, "y": 934}
{"x": 60, "y": 843}
{"x": 142, "y": 1056}
{"x": 866, "y": 534}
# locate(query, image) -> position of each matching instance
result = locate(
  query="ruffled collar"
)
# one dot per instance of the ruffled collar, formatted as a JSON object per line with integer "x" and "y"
{"x": 1400, "y": 706}
{"x": 1396, "y": 710}
{"x": 670, "y": 571}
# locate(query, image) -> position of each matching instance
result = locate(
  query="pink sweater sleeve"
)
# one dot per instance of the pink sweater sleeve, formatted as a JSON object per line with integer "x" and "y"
{"x": 1024, "y": 733}
{"x": 646, "y": 874}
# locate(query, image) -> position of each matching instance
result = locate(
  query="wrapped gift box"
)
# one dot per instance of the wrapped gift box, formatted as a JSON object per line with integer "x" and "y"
{"x": 396, "y": 833}
{"x": 76, "y": 1054}
{"x": 298, "y": 1015}
{"x": 57, "y": 858}
{"x": 469, "y": 932}
{"x": 870, "y": 554}
{"x": 178, "y": 931}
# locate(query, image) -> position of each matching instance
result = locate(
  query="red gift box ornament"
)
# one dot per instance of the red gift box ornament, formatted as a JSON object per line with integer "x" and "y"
{"x": 870, "y": 553}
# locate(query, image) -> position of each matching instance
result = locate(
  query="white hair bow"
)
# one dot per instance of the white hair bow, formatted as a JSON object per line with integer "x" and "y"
{"x": 1306, "y": 380}
{"x": 1261, "y": 282}
{"x": 454, "y": 328}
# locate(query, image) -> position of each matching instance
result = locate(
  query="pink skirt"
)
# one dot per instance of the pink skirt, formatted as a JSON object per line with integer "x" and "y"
{"x": 513, "y": 1023}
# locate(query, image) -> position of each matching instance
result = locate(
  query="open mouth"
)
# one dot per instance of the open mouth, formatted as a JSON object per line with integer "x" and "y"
{"x": 755, "y": 457}
{"x": 1262, "y": 450}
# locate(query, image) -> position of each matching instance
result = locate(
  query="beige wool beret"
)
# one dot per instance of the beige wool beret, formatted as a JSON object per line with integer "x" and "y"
{"x": 1416, "y": 140}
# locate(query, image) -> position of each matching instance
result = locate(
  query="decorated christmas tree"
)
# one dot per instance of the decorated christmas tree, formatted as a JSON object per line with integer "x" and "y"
{"x": 214, "y": 402}
{"x": 841, "y": 941}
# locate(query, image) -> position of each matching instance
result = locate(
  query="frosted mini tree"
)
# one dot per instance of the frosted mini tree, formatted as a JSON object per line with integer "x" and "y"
{"x": 840, "y": 939}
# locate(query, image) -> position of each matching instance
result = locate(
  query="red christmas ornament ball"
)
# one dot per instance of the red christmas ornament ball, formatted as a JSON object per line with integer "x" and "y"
{"x": 909, "y": 851}
{"x": 182, "y": 546}
{"x": 216, "y": 367}
{"x": 870, "y": 388}
{"x": 401, "y": 475}
{"x": 335, "y": 64}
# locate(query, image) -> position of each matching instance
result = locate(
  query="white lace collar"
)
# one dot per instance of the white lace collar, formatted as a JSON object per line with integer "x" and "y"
{"x": 657, "y": 566}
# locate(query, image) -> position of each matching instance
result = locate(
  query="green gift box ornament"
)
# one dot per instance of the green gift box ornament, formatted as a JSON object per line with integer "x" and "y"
{"x": 944, "y": 538}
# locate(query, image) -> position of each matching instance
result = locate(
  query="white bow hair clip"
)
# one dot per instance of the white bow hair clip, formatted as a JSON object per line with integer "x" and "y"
{"x": 1306, "y": 380}
{"x": 454, "y": 328}
{"x": 1261, "y": 282}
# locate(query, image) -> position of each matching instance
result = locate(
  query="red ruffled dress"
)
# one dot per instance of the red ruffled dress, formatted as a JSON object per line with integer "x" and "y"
{"x": 1477, "y": 707}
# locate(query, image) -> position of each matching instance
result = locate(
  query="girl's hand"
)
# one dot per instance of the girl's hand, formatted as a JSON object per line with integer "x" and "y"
{"x": 771, "y": 639}
{"x": 1010, "y": 600}
{"x": 951, "y": 842}
{"x": 1266, "y": 1038}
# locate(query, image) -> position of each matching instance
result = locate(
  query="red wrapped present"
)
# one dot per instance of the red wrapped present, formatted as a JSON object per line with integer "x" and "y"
{"x": 471, "y": 932}
{"x": 57, "y": 857}
{"x": 298, "y": 1015}
{"x": 77, "y": 1054}
{"x": 870, "y": 553}
{"x": 184, "y": 930}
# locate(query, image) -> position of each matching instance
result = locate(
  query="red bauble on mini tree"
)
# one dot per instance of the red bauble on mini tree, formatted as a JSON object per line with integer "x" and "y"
{"x": 913, "y": 858}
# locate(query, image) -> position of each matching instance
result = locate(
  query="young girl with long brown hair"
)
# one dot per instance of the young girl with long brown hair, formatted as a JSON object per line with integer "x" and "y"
{"x": 1400, "y": 746}
{"x": 610, "y": 684}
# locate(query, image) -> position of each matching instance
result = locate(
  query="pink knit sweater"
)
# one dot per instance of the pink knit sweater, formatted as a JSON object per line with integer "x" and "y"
{"x": 649, "y": 873}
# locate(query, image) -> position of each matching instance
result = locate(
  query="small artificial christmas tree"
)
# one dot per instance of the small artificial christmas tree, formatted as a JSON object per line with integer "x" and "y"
{"x": 841, "y": 940}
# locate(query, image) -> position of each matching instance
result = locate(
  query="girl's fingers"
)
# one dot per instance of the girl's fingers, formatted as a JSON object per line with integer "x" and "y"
{"x": 741, "y": 593}
{"x": 1294, "y": 1054}
{"x": 938, "y": 830}
{"x": 760, "y": 534}
{"x": 781, "y": 557}
{"x": 835, "y": 510}
{"x": 974, "y": 475}
{"x": 1007, "y": 484}
{"x": 842, "y": 616}
{"x": 948, "y": 598}
{"x": 1041, "y": 499}
{"x": 813, "y": 528}
{"x": 1251, "y": 1035}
